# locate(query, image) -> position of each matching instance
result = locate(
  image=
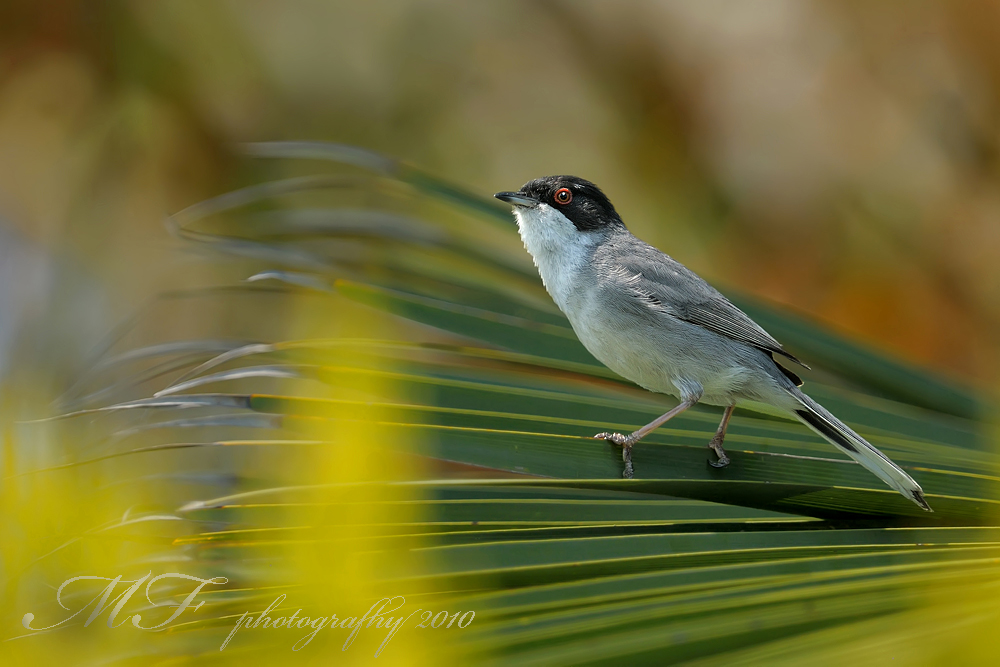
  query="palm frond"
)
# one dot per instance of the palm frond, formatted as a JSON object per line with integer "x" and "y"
{"x": 506, "y": 505}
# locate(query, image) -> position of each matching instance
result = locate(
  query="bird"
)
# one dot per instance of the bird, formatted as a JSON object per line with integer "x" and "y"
{"x": 655, "y": 322}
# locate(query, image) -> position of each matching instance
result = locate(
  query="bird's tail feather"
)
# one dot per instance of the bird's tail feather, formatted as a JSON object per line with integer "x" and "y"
{"x": 816, "y": 417}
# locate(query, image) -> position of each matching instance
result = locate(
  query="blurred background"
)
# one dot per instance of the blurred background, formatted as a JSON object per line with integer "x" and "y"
{"x": 841, "y": 159}
{"x": 837, "y": 157}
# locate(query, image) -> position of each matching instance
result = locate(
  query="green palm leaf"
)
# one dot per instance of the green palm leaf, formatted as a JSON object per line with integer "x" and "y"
{"x": 511, "y": 509}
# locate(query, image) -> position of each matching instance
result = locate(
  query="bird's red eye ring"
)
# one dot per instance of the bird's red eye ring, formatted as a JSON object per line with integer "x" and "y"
{"x": 563, "y": 196}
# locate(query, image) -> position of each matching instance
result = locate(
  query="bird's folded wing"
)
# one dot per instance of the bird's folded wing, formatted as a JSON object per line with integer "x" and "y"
{"x": 663, "y": 285}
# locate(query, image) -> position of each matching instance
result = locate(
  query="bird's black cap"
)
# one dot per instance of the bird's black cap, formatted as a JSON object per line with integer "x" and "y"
{"x": 586, "y": 206}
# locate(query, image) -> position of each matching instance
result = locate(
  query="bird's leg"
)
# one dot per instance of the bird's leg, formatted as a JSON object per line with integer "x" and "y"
{"x": 626, "y": 441}
{"x": 716, "y": 443}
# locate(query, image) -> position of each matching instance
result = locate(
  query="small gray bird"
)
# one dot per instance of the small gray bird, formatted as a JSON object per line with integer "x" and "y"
{"x": 651, "y": 320}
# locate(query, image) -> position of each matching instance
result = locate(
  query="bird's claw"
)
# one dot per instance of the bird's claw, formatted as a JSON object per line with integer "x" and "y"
{"x": 626, "y": 456}
{"x": 721, "y": 453}
{"x": 721, "y": 463}
{"x": 625, "y": 442}
{"x": 615, "y": 438}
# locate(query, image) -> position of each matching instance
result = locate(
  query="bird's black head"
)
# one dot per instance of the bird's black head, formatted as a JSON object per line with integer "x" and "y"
{"x": 579, "y": 200}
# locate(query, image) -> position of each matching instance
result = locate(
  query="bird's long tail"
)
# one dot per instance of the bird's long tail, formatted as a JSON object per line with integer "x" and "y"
{"x": 816, "y": 417}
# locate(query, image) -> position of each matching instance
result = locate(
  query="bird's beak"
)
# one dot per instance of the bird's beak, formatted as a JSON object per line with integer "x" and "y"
{"x": 517, "y": 199}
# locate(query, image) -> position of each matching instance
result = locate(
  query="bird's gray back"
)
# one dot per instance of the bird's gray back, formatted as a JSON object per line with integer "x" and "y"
{"x": 666, "y": 285}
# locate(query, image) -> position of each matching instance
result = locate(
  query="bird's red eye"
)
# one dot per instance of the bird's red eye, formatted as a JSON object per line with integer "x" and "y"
{"x": 563, "y": 196}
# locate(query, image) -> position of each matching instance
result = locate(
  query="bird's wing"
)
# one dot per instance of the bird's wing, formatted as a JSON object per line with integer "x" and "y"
{"x": 665, "y": 286}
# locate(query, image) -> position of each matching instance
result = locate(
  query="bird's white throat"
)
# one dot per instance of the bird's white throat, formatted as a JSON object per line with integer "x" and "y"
{"x": 557, "y": 247}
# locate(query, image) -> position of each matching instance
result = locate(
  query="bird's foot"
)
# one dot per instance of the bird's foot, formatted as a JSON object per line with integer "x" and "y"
{"x": 716, "y": 446}
{"x": 627, "y": 458}
{"x": 616, "y": 438}
{"x": 625, "y": 442}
